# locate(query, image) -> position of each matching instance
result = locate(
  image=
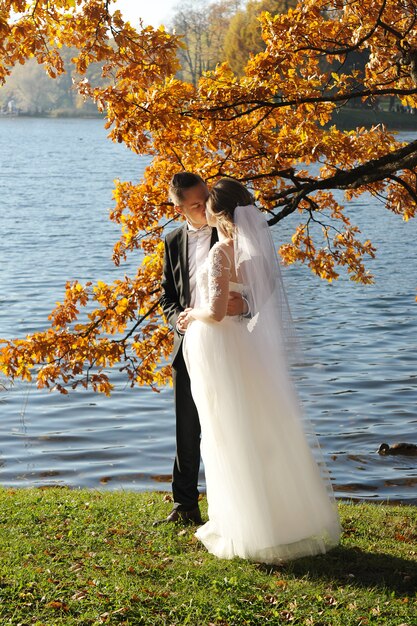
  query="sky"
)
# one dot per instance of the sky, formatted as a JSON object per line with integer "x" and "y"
{"x": 152, "y": 12}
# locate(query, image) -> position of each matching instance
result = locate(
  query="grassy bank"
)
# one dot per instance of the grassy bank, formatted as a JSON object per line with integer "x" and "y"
{"x": 86, "y": 557}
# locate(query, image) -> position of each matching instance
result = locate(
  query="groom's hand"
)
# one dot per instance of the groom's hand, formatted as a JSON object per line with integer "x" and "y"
{"x": 236, "y": 305}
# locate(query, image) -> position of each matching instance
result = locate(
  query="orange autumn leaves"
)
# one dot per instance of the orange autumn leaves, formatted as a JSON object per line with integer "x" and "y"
{"x": 271, "y": 128}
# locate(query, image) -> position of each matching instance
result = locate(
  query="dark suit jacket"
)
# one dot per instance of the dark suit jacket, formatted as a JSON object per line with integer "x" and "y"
{"x": 175, "y": 280}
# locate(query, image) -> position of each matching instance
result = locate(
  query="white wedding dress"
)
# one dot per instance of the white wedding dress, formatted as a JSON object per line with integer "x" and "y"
{"x": 269, "y": 499}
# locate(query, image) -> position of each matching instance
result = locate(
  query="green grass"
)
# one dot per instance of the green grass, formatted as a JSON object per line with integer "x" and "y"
{"x": 86, "y": 557}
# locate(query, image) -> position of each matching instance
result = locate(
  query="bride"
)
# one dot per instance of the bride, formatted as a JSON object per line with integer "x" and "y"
{"x": 269, "y": 495}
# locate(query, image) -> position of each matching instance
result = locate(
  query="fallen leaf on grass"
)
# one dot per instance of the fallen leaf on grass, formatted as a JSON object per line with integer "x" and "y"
{"x": 281, "y": 583}
{"x": 58, "y": 605}
{"x": 117, "y": 531}
{"x": 105, "y": 616}
{"x": 76, "y": 567}
{"x": 102, "y": 596}
{"x": 287, "y": 616}
{"x": 270, "y": 599}
{"x": 79, "y": 595}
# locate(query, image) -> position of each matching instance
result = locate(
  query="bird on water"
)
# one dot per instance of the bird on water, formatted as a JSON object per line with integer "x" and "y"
{"x": 409, "y": 449}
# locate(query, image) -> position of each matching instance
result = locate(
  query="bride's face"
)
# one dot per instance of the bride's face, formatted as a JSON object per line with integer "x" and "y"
{"x": 210, "y": 216}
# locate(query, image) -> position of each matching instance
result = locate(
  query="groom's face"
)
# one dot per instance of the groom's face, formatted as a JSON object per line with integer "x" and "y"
{"x": 193, "y": 206}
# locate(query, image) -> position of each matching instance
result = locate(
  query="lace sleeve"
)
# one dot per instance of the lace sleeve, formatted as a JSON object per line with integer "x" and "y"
{"x": 218, "y": 281}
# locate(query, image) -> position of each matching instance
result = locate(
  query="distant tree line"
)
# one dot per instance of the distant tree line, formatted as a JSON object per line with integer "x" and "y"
{"x": 30, "y": 90}
{"x": 222, "y": 30}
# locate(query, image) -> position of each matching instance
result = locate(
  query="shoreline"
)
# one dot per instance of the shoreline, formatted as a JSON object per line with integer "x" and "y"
{"x": 343, "y": 119}
{"x": 53, "y": 115}
{"x": 166, "y": 493}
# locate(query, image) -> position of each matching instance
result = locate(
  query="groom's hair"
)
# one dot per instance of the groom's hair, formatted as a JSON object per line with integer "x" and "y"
{"x": 181, "y": 182}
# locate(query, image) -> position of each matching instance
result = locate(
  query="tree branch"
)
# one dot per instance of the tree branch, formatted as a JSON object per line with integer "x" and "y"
{"x": 274, "y": 104}
{"x": 370, "y": 172}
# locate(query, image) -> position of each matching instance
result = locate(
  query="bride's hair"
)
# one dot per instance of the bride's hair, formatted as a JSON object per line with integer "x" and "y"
{"x": 224, "y": 197}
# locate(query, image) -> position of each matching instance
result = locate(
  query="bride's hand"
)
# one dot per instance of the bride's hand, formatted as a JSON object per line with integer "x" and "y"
{"x": 188, "y": 315}
{"x": 183, "y": 320}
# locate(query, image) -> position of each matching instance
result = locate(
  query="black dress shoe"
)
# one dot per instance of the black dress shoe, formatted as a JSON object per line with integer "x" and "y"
{"x": 184, "y": 517}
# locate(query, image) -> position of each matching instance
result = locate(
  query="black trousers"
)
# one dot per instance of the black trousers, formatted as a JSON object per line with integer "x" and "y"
{"x": 188, "y": 433}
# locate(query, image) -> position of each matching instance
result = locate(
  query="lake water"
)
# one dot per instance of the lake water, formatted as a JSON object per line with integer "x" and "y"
{"x": 358, "y": 383}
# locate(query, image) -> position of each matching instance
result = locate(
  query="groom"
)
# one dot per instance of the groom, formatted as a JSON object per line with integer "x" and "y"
{"x": 186, "y": 248}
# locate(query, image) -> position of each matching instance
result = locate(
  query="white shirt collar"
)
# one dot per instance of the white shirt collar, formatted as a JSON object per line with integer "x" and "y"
{"x": 201, "y": 229}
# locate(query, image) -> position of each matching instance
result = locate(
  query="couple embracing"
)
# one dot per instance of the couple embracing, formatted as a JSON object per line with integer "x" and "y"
{"x": 269, "y": 496}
